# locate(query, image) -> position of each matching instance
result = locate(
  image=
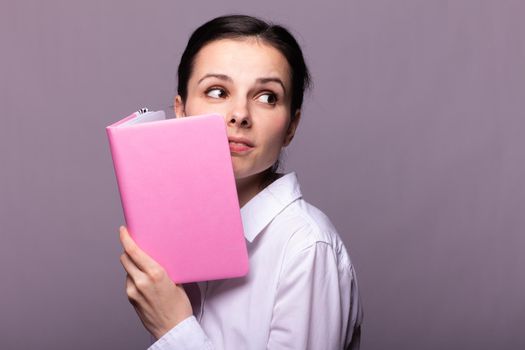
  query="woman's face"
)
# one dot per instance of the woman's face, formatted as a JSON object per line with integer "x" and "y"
{"x": 248, "y": 82}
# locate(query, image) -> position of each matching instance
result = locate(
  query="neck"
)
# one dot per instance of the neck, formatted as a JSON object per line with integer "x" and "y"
{"x": 248, "y": 187}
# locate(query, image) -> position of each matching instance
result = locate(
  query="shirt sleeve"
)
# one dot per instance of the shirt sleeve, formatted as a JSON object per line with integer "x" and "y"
{"x": 316, "y": 305}
{"x": 187, "y": 335}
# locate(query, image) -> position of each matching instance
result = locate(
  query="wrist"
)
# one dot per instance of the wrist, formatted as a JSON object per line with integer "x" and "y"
{"x": 159, "y": 333}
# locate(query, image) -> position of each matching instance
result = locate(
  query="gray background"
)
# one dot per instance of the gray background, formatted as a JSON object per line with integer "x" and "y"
{"x": 412, "y": 141}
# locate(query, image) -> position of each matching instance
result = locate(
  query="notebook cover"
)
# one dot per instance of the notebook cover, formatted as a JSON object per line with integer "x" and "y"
{"x": 179, "y": 197}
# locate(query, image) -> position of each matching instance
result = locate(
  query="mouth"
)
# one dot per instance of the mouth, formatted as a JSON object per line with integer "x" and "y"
{"x": 239, "y": 144}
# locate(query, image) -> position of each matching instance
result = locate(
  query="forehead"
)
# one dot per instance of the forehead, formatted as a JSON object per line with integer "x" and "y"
{"x": 241, "y": 59}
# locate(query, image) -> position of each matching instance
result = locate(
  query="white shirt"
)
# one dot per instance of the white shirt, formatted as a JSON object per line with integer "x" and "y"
{"x": 301, "y": 290}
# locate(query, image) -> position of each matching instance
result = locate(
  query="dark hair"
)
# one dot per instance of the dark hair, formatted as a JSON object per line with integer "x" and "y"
{"x": 241, "y": 26}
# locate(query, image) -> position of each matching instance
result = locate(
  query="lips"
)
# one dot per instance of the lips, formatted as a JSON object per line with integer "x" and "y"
{"x": 239, "y": 144}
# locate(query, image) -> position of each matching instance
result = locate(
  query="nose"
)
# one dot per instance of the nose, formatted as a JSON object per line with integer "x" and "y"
{"x": 240, "y": 115}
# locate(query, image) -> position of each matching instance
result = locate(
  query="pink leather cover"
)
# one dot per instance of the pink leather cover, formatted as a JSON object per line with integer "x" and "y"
{"x": 179, "y": 197}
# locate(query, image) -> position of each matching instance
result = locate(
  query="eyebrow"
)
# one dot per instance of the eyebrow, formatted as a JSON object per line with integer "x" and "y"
{"x": 213, "y": 75}
{"x": 227, "y": 78}
{"x": 274, "y": 80}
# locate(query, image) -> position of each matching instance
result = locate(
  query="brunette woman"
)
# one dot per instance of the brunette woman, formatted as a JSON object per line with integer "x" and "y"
{"x": 301, "y": 291}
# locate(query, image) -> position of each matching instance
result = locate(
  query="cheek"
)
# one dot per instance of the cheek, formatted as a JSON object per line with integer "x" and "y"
{"x": 277, "y": 130}
{"x": 193, "y": 107}
{"x": 274, "y": 135}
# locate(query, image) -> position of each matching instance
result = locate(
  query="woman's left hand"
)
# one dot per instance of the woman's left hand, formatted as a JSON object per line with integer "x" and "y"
{"x": 160, "y": 303}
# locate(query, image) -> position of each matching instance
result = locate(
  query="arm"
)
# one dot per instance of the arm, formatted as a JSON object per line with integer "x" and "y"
{"x": 316, "y": 302}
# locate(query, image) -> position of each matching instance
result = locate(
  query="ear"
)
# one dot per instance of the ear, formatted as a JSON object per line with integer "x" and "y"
{"x": 291, "y": 128}
{"x": 178, "y": 107}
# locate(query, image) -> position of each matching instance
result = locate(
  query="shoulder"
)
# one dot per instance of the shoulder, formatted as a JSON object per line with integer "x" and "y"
{"x": 308, "y": 230}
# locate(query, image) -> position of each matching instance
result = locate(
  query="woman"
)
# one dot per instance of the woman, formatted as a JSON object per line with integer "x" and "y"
{"x": 301, "y": 291}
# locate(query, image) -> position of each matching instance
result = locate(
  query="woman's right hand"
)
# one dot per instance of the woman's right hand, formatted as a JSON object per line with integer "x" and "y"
{"x": 159, "y": 303}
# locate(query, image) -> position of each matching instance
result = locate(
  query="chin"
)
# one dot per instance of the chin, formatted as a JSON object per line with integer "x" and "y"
{"x": 241, "y": 174}
{"x": 244, "y": 171}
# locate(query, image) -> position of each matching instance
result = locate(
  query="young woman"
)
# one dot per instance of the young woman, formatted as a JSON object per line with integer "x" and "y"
{"x": 301, "y": 291}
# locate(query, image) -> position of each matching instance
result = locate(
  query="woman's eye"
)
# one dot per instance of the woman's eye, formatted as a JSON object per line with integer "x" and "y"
{"x": 268, "y": 98}
{"x": 216, "y": 93}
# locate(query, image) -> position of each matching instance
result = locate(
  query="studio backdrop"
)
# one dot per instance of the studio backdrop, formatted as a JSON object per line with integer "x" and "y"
{"x": 412, "y": 140}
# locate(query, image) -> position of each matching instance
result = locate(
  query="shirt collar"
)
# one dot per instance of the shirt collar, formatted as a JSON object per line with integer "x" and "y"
{"x": 264, "y": 207}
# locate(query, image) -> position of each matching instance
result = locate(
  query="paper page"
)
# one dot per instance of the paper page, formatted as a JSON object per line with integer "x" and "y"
{"x": 146, "y": 117}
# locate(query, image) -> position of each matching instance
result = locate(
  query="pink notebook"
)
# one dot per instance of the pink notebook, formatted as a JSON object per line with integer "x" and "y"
{"x": 178, "y": 193}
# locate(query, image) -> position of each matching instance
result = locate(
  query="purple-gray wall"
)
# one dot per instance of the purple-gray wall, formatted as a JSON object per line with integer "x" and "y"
{"x": 412, "y": 141}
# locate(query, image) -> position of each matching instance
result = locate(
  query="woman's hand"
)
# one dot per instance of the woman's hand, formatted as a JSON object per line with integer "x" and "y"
{"x": 160, "y": 303}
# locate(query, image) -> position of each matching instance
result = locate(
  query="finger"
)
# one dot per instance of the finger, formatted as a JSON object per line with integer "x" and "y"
{"x": 133, "y": 271}
{"x": 133, "y": 293}
{"x": 142, "y": 260}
